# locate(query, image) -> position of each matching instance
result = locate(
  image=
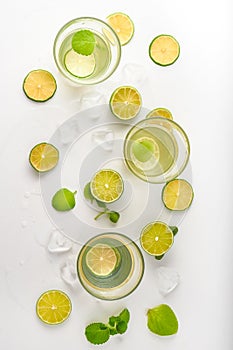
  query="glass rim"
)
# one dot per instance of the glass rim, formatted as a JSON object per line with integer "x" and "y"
{"x": 177, "y": 126}
{"x": 77, "y": 20}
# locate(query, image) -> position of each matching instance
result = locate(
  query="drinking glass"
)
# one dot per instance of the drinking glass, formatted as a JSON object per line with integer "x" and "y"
{"x": 107, "y": 52}
{"x": 124, "y": 275}
{"x": 156, "y": 149}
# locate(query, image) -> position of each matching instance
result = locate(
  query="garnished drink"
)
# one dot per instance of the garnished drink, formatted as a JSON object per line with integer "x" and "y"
{"x": 110, "y": 266}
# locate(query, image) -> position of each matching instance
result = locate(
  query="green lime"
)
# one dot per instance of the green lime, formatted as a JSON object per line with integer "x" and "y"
{"x": 79, "y": 65}
{"x": 64, "y": 200}
{"x": 125, "y": 102}
{"x": 122, "y": 25}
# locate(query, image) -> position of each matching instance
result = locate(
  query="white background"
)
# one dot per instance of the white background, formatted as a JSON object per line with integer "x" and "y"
{"x": 198, "y": 90}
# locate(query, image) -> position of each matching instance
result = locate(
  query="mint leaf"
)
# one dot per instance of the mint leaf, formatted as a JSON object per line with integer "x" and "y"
{"x": 161, "y": 320}
{"x": 87, "y": 192}
{"x": 121, "y": 327}
{"x": 113, "y": 320}
{"x": 125, "y": 315}
{"x": 174, "y": 230}
{"x": 97, "y": 333}
{"x": 83, "y": 42}
{"x": 114, "y": 216}
{"x": 64, "y": 200}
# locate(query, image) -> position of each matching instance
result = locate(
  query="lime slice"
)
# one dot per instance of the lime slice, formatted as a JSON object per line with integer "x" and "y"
{"x": 125, "y": 102}
{"x": 156, "y": 238}
{"x": 79, "y": 65}
{"x": 160, "y": 112}
{"x": 101, "y": 259}
{"x": 145, "y": 148}
{"x": 53, "y": 307}
{"x": 39, "y": 85}
{"x": 123, "y": 26}
{"x": 164, "y": 50}
{"x": 43, "y": 157}
{"x": 177, "y": 194}
{"x": 107, "y": 185}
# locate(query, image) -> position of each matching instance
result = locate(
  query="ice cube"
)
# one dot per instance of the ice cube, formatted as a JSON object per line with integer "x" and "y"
{"x": 104, "y": 138}
{"x": 92, "y": 99}
{"x": 68, "y": 272}
{"x": 58, "y": 243}
{"x": 134, "y": 74}
{"x": 167, "y": 279}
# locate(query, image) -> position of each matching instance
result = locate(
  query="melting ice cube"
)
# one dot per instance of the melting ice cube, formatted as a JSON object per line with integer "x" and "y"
{"x": 167, "y": 279}
{"x": 134, "y": 74}
{"x": 104, "y": 138}
{"x": 68, "y": 272}
{"x": 92, "y": 99}
{"x": 58, "y": 243}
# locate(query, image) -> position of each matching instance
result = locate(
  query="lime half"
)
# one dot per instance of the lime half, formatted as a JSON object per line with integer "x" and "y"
{"x": 107, "y": 185}
{"x": 79, "y": 65}
{"x": 156, "y": 238}
{"x": 101, "y": 259}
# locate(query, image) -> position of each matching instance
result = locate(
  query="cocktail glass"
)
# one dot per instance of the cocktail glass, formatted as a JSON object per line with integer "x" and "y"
{"x": 156, "y": 150}
{"x": 107, "y": 52}
{"x": 110, "y": 277}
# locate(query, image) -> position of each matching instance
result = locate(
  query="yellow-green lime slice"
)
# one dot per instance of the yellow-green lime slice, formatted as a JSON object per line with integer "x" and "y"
{"x": 53, "y": 307}
{"x": 164, "y": 50}
{"x": 39, "y": 85}
{"x": 79, "y": 65}
{"x": 43, "y": 157}
{"x": 145, "y": 148}
{"x": 177, "y": 194}
{"x": 160, "y": 112}
{"x": 101, "y": 259}
{"x": 156, "y": 238}
{"x": 125, "y": 102}
{"x": 107, "y": 185}
{"x": 123, "y": 26}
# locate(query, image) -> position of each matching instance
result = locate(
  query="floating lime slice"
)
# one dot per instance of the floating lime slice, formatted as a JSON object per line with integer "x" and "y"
{"x": 79, "y": 65}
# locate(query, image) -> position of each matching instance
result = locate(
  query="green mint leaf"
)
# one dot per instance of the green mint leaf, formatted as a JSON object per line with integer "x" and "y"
{"x": 121, "y": 327}
{"x": 97, "y": 333}
{"x": 83, "y": 42}
{"x": 113, "y": 331}
{"x": 113, "y": 320}
{"x": 87, "y": 192}
{"x": 63, "y": 200}
{"x": 100, "y": 204}
{"x": 125, "y": 315}
{"x": 161, "y": 320}
{"x": 174, "y": 230}
{"x": 114, "y": 216}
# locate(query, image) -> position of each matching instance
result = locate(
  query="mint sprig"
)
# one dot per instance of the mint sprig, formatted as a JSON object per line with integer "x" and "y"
{"x": 99, "y": 333}
{"x": 83, "y": 42}
{"x": 112, "y": 215}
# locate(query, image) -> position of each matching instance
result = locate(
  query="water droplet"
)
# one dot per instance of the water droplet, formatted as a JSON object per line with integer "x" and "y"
{"x": 68, "y": 272}
{"x": 58, "y": 243}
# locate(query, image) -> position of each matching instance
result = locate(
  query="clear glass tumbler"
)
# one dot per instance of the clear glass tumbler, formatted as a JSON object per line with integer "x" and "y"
{"x": 107, "y": 51}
